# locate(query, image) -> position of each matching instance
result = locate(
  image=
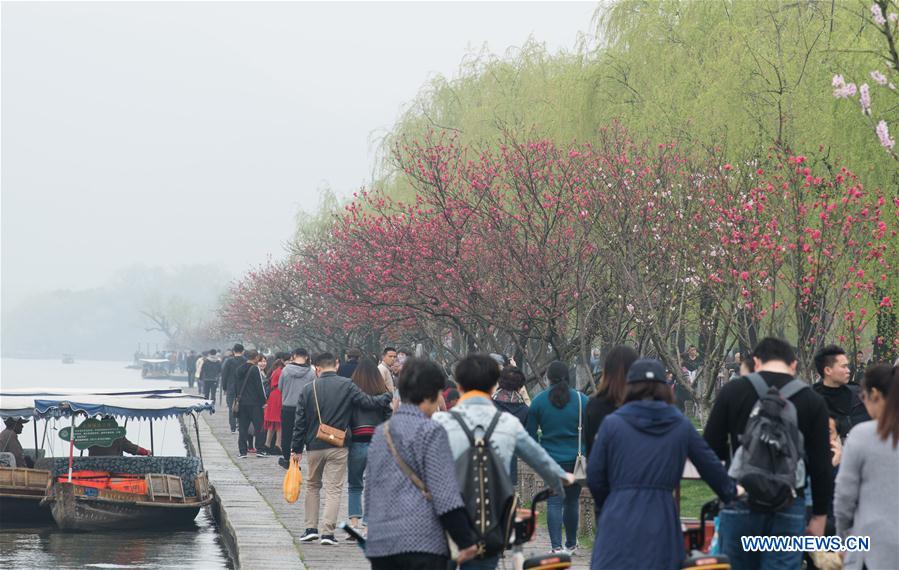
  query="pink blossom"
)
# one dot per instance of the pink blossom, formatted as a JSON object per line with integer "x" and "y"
{"x": 865, "y": 99}
{"x": 842, "y": 90}
{"x": 879, "y": 77}
{"x": 893, "y": 17}
{"x": 877, "y": 13}
{"x": 883, "y": 133}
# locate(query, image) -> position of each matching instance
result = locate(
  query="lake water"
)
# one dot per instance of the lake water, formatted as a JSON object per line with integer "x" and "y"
{"x": 50, "y": 548}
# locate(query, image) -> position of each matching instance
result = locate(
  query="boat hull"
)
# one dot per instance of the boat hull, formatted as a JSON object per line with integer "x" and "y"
{"x": 23, "y": 510}
{"x": 22, "y": 491}
{"x": 78, "y": 508}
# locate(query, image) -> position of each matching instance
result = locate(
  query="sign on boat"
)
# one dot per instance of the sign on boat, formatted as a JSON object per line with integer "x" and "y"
{"x": 93, "y": 432}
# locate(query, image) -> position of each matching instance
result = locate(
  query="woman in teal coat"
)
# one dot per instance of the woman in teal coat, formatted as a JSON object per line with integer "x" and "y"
{"x": 559, "y": 414}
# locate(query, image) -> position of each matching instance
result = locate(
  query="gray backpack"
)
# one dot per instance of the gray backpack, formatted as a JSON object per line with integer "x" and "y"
{"x": 770, "y": 462}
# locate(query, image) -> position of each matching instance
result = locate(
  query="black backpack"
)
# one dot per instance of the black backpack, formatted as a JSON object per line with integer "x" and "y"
{"x": 487, "y": 489}
{"x": 770, "y": 462}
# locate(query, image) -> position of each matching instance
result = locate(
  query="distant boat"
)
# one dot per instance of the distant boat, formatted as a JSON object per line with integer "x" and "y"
{"x": 68, "y": 359}
{"x": 154, "y": 368}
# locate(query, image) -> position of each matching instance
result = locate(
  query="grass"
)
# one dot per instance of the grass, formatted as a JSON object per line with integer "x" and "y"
{"x": 693, "y": 494}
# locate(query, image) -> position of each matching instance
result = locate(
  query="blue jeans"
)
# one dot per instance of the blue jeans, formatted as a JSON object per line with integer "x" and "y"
{"x": 738, "y": 520}
{"x": 563, "y": 510}
{"x": 485, "y": 564}
{"x": 356, "y": 461}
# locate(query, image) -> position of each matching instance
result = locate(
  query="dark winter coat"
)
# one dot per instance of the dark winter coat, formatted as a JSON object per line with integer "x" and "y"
{"x": 512, "y": 402}
{"x": 254, "y": 394}
{"x": 637, "y": 461}
{"x": 229, "y": 369}
{"x": 845, "y": 404}
{"x": 598, "y": 408}
{"x": 337, "y": 398}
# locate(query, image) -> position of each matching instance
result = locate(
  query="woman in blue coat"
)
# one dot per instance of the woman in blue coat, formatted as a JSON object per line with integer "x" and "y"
{"x": 637, "y": 461}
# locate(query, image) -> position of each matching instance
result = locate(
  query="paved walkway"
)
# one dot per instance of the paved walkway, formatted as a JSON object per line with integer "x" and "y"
{"x": 271, "y": 524}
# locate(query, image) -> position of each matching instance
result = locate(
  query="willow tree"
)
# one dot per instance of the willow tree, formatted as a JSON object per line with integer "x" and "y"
{"x": 736, "y": 75}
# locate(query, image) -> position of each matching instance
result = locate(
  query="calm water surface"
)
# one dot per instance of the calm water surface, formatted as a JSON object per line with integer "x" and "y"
{"x": 48, "y": 547}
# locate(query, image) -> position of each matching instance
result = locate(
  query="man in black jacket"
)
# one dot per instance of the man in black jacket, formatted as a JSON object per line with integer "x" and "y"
{"x": 229, "y": 369}
{"x": 250, "y": 390}
{"x": 843, "y": 401}
{"x": 329, "y": 400}
{"x": 210, "y": 372}
{"x": 775, "y": 361}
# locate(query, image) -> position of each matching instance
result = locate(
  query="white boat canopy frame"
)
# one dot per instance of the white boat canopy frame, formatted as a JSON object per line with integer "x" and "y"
{"x": 150, "y": 408}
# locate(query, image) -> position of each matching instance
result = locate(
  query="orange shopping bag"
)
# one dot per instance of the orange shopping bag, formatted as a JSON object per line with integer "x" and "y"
{"x": 292, "y": 481}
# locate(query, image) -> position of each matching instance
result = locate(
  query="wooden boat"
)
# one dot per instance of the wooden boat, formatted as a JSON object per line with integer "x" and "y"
{"x": 154, "y": 368}
{"x": 171, "y": 490}
{"x": 23, "y": 490}
{"x": 165, "y": 504}
{"x": 21, "y": 493}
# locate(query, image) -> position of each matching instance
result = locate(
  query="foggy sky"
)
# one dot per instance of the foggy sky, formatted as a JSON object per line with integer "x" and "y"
{"x": 168, "y": 133}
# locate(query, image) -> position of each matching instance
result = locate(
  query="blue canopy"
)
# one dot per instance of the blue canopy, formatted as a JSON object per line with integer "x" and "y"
{"x": 126, "y": 407}
{"x": 100, "y": 392}
{"x": 16, "y": 407}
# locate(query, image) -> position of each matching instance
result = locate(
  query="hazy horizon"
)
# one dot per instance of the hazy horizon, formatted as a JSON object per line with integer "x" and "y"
{"x": 173, "y": 134}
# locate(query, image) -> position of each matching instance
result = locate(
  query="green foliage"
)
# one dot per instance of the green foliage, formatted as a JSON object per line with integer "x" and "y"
{"x": 740, "y": 75}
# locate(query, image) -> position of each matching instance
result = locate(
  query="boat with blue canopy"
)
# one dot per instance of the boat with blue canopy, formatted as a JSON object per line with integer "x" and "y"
{"x": 110, "y": 491}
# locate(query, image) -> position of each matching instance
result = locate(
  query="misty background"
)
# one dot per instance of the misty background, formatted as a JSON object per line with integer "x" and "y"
{"x": 152, "y": 152}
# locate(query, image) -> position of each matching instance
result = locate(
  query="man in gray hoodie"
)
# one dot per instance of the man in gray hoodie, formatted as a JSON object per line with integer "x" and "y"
{"x": 297, "y": 373}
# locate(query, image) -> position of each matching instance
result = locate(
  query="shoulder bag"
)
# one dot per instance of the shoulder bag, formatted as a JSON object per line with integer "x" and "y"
{"x": 404, "y": 467}
{"x": 326, "y": 433}
{"x": 580, "y": 464}
{"x": 235, "y": 406}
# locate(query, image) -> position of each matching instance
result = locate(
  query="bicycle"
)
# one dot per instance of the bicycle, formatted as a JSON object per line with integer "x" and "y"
{"x": 695, "y": 539}
{"x": 524, "y": 526}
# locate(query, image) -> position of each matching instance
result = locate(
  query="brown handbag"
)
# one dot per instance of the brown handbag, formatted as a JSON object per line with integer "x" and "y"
{"x": 326, "y": 433}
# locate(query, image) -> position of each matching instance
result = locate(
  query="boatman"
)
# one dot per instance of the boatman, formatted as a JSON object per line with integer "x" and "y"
{"x": 118, "y": 448}
{"x": 9, "y": 441}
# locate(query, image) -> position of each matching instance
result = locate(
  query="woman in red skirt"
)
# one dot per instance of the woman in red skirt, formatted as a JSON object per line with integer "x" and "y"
{"x": 272, "y": 417}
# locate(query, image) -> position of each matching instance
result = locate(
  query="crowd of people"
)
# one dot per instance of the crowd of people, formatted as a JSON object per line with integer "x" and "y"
{"x": 402, "y": 437}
